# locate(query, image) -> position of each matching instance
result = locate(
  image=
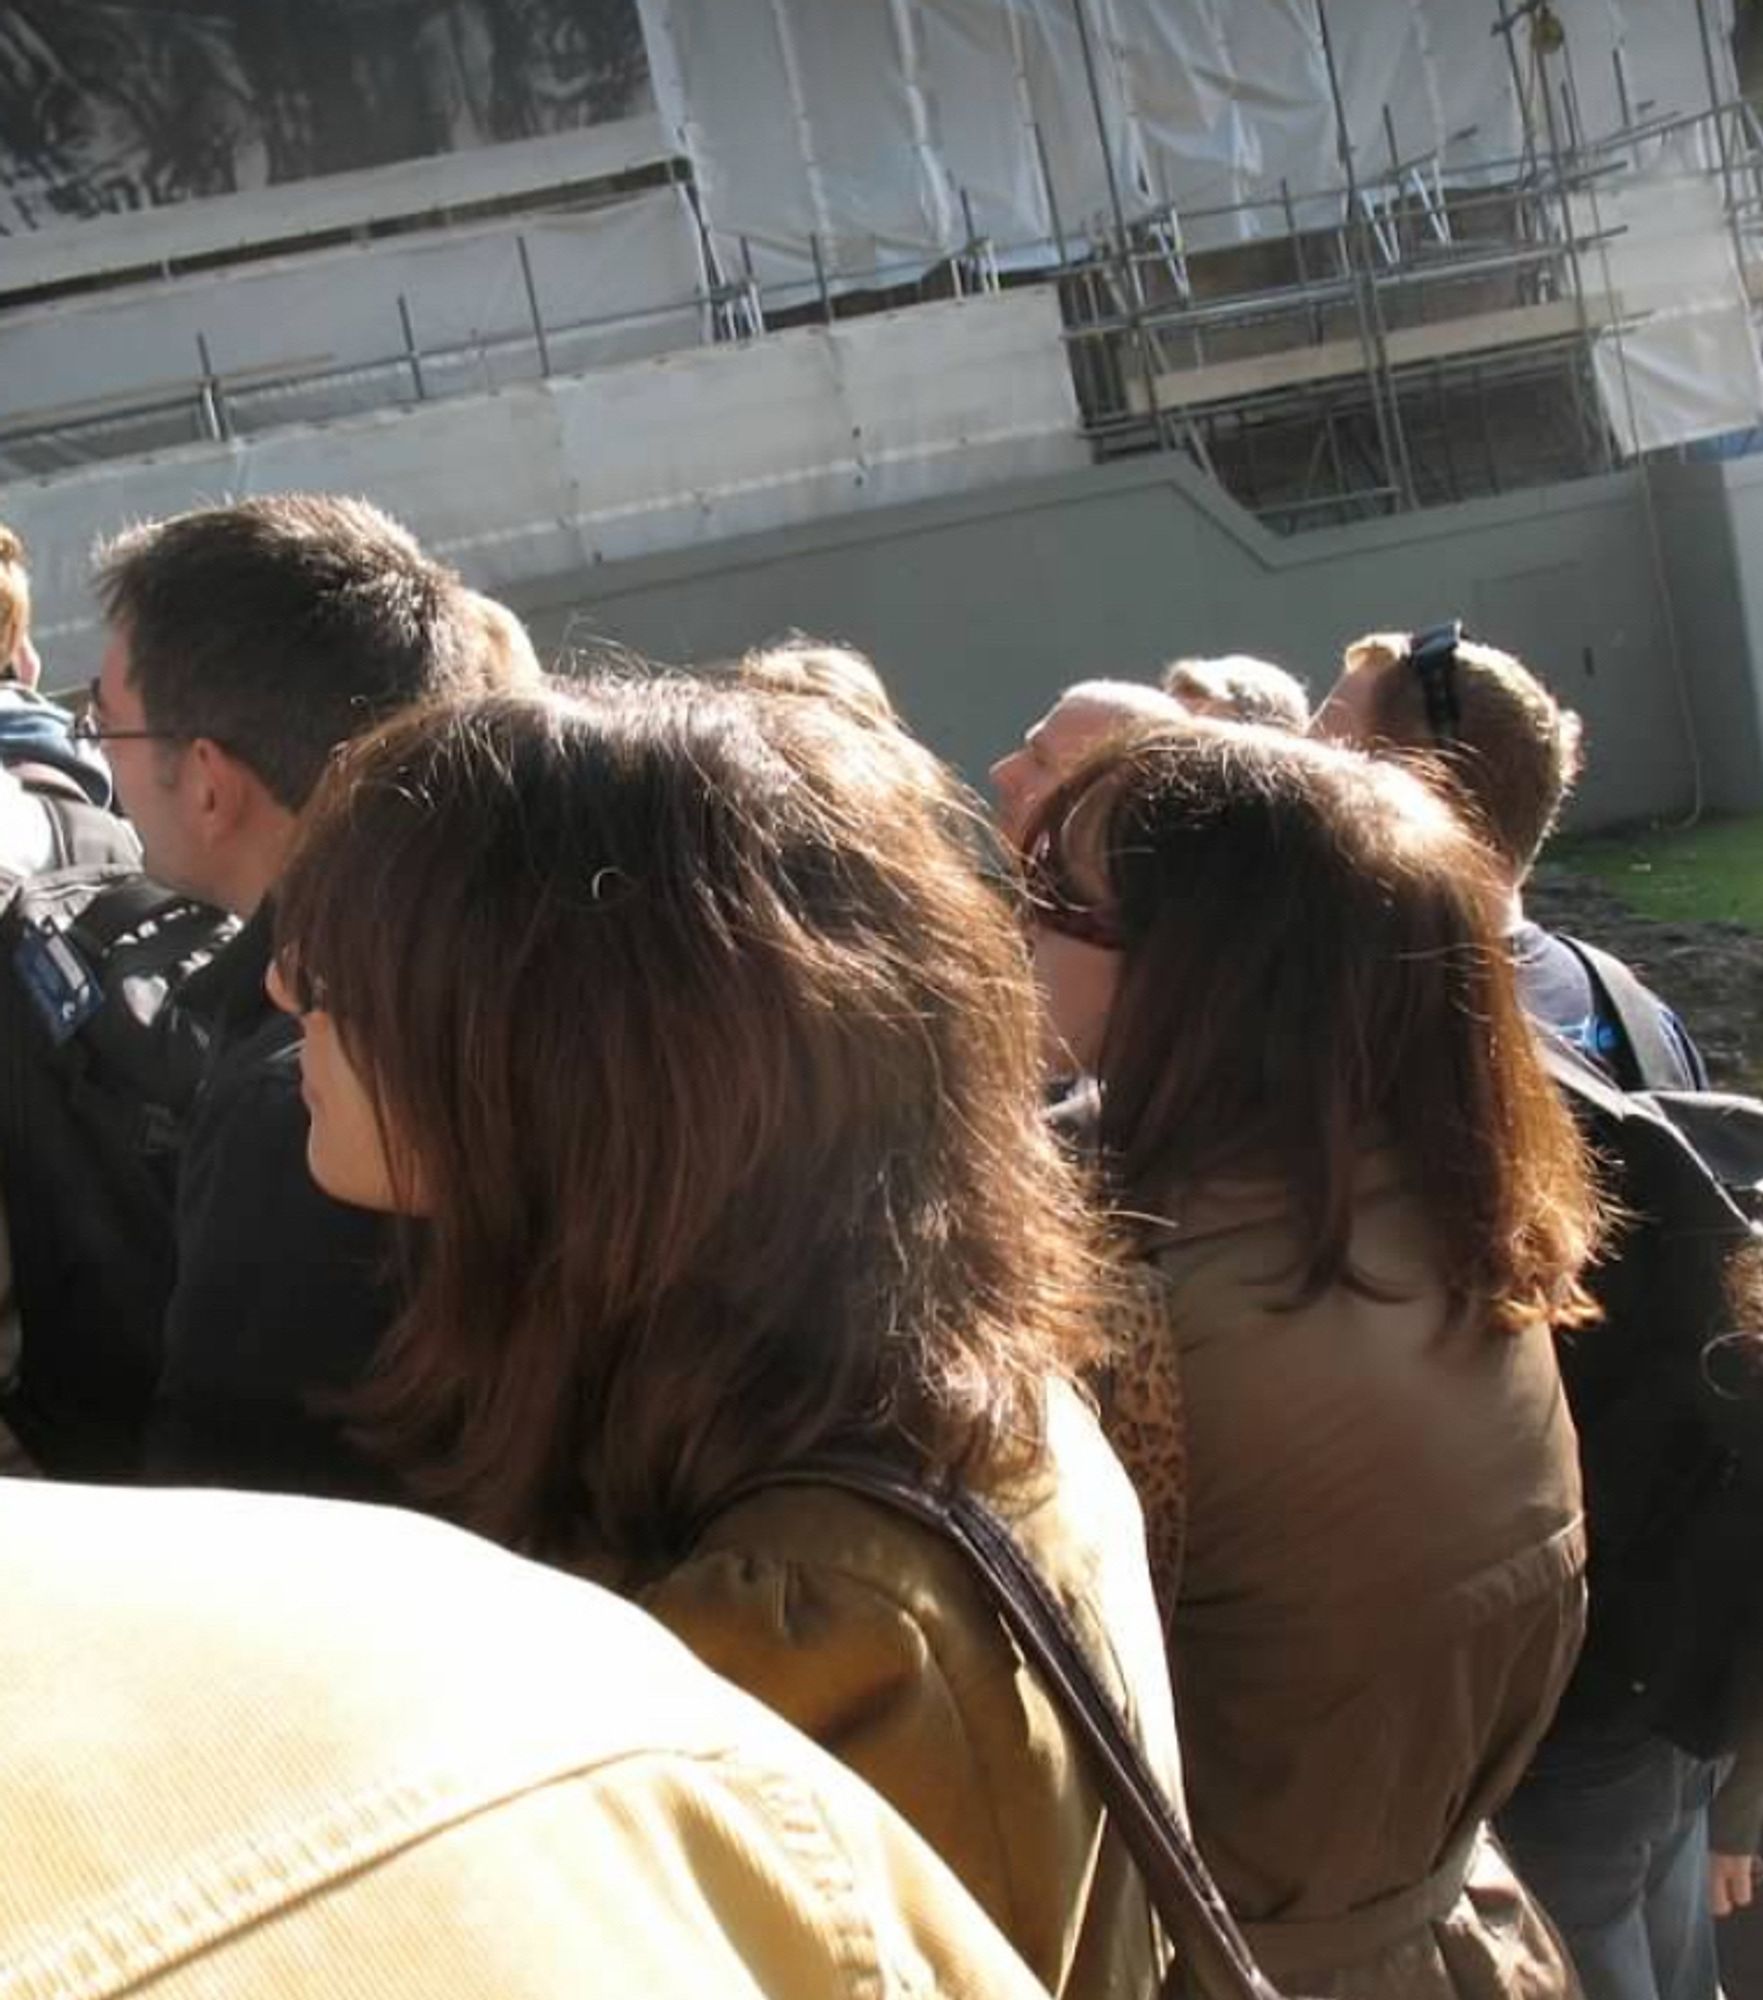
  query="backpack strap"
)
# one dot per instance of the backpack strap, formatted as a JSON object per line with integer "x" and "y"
{"x": 84, "y": 835}
{"x": 125, "y": 905}
{"x": 1213, "y": 1957}
{"x": 1582, "y": 1079}
{"x": 1652, "y": 1059}
{"x": 48, "y": 779}
{"x": 1716, "y": 1139}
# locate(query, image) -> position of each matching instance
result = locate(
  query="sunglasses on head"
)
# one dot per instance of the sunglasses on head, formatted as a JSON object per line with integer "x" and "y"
{"x": 1056, "y": 904}
{"x": 1433, "y": 656}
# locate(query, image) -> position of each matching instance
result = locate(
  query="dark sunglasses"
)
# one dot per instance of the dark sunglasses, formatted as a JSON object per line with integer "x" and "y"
{"x": 1433, "y": 656}
{"x": 1057, "y": 905}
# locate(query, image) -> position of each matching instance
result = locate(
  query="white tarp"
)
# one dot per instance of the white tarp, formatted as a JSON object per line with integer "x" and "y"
{"x": 863, "y": 124}
{"x": 1690, "y": 372}
{"x": 548, "y": 477}
{"x": 1679, "y": 360}
{"x": 512, "y": 172}
{"x": 870, "y": 129}
{"x": 611, "y": 283}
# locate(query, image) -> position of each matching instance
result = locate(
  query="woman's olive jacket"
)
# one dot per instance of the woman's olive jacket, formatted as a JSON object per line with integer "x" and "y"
{"x": 871, "y": 1634}
{"x": 1379, "y": 1596}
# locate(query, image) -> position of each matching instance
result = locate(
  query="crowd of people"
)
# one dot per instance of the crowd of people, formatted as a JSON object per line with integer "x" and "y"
{"x": 620, "y": 1092}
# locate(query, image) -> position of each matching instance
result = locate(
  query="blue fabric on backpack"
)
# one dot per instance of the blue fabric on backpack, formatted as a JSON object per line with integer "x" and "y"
{"x": 35, "y": 730}
{"x": 1558, "y": 990}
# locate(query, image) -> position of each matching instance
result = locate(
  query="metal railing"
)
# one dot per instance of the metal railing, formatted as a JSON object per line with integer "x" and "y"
{"x": 1366, "y": 261}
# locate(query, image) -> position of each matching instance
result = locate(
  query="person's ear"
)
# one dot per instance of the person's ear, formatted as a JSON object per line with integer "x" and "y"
{"x": 222, "y": 793}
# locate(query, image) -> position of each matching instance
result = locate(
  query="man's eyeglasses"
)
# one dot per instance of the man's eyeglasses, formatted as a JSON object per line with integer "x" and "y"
{"x": 1057, "y": 905}
{"x": 89, "y": 726}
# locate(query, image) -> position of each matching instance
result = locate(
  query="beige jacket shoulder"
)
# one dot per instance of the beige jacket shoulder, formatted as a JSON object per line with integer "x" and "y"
{"x": 870, "y": 1634}
{"x": 1379, "y": 1600}
{"x": 280, "y": 1749}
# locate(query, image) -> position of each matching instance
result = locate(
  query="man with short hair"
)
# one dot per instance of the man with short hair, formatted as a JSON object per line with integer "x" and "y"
{"x": 1238, "y": 687}
{"x": 246, "y": 643}
{"x": 1512, "y": 754}
{"x": 1611, "y": 1825}
{"x": 1081, "y": 720}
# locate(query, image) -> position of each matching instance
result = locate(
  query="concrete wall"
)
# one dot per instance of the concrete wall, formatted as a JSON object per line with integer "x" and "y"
{"x": 677, "y": 451}
{"x": 1738, "y": 728}
{"x": 979, "y": 608}
{"x": 1709, "y": 515}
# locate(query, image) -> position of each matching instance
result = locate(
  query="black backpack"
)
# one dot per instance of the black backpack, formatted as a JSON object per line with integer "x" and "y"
{"x": 99, "y": 1068}
{"x": 85, "y": 835}
{"x": 1667, "y": 1392}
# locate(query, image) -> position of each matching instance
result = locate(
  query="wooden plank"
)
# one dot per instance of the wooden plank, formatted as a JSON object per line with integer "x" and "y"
{"x": 1333, "y": 360}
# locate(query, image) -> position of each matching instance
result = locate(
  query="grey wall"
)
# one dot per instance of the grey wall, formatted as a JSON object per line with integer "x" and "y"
{"x": 1709, "y": 515}
{"x": 1740, "y": 670}
{"x": 978, "y": 609}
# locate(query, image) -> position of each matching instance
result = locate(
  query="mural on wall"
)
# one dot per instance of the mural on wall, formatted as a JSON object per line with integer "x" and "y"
{"x": 112, "y": 105}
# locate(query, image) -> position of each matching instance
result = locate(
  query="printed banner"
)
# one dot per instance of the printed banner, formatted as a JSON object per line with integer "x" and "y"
{"x": 110, "y": 106}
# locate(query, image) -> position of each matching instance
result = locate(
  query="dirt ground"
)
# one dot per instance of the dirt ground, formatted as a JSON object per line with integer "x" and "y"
{"x": 1712, "y": 974}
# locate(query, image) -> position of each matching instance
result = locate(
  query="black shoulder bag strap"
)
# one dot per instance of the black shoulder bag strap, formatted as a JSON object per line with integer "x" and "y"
{"x": 132, "y": 900}
{"x": 1212, "y": 1956}
{"x": 1653, "y": 1059}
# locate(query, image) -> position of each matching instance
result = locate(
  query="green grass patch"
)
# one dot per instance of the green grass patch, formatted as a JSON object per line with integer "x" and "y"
{"x": 1708, "y": 873}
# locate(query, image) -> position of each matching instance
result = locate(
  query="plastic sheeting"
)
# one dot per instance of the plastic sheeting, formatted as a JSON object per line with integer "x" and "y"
{"x": 515, "y": 172}
{"x": 877, "y": 132}
{"x": 1679, "y": 362}
{"x": 1690, "y": 373}
{"x": 864, "y": 125}
{"x": 550, "y": 477}
{"x": 321, "y": 336}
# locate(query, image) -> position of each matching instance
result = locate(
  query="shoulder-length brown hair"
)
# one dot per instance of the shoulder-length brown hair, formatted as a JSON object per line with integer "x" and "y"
{"x": 1312, "y": 963}
{"x": 715, "y": 1064}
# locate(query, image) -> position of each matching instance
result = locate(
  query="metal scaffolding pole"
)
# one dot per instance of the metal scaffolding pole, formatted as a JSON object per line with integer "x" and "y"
{"x": 1526, "y": 124}
{"x": 1547, "y": 36}
{"x": 1356, "y": 240}
{"x": 1133, "y": 299}
{"x": 1717, "y": 104}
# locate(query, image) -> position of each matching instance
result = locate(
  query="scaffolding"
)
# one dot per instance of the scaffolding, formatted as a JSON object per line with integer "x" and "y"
{"x": 1443, "y": 335}
{"x": 1436, "y": 343}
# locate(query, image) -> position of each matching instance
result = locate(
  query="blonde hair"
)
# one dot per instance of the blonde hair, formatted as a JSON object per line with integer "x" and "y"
{"x": 15, "y": 596}
{"x": 801, "y": 665}
{"x": 1514, "y": 753}
{"x": 512, "y": 660}
{"x": 1240, "y": 688}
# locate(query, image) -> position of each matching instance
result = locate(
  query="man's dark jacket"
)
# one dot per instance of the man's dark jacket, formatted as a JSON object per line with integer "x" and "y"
{"x": 1653, "y": 1427}
{"x": 282, "y": 1294}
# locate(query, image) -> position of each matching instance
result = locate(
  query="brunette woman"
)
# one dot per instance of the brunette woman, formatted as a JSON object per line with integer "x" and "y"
{"x": 681, "y": 1018}
{"x": 1323, "y": 1115}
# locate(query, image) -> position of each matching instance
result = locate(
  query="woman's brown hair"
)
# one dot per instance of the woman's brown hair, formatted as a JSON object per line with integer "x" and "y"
{"x": 714, "y": 1061}
{"x": 1312, "y": 963}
